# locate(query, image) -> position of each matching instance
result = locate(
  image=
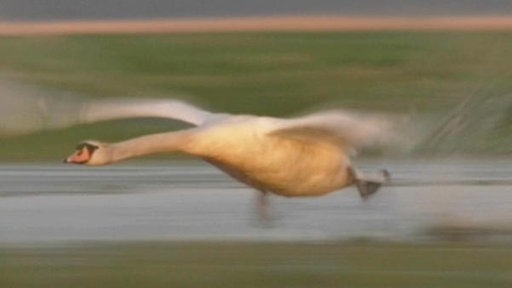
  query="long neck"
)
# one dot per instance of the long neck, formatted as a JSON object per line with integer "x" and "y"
{"x": 150, "y": 144}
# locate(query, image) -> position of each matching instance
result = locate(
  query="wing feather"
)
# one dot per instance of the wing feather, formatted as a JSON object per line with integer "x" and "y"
{"x": 346, "y": 129}
{"x": 103, "y": 110}
{"x": 26, "y": 109}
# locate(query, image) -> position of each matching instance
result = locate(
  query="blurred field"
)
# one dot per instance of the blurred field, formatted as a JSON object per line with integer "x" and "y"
{"x": 455, "y": 83}
{"x": 425, "y": 74}
{"x": 256, "y": 24}
{"x": 229, "y": 264}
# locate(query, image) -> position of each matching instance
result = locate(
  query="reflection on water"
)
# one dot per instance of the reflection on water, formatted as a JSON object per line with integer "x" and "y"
{"x": 177, "y": 201}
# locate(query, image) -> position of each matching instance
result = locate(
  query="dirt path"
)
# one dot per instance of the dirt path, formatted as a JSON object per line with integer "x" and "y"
{"x": 255, "y": 24}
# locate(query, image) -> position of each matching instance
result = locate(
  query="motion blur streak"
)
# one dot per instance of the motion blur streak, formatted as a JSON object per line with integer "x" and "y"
{"x": 25, "y": 109}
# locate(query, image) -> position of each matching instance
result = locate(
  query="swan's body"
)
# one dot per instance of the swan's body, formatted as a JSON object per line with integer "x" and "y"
{"x": 242, "y": 147}
{"x": 307, "y": 156}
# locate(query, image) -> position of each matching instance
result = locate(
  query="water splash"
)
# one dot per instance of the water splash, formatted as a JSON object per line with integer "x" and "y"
{"x": 473, "y": 126}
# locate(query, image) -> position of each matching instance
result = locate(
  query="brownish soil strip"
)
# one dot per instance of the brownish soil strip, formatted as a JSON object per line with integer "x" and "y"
{"x": 297, "y": 24}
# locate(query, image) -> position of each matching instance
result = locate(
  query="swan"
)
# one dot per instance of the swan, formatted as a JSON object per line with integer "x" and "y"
{"x": 293, "y": 157}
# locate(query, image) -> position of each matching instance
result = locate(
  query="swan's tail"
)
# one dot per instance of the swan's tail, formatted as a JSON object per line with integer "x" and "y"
{"x": 368, "y": 186}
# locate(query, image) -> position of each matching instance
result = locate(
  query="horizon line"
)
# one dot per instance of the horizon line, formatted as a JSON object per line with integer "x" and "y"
{"x": 256, "y": 24}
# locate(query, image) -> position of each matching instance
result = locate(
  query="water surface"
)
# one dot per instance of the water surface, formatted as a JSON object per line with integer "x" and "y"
{"x": 194, "y": 201}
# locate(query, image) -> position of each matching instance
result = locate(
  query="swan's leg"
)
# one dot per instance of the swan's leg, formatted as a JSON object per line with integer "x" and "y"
{"x": 263, "y": 206}
{"x": 366, "y": 185}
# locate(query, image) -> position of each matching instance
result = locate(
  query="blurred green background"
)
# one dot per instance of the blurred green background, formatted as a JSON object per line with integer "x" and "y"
{"x": 232, "y": 264}
{"x": 457, "y": 82}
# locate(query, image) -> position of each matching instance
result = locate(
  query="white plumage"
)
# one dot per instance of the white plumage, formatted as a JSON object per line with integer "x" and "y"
{"x": 305, "y": 156}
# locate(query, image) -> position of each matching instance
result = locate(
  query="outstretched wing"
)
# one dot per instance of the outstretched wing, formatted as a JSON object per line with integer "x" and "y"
{"x": 348, "y": 130}
{"x": 26, "y": 110}
{"x": 102, "y": 110}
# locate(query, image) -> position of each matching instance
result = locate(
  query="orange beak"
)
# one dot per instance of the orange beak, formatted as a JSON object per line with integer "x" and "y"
{"x": 79, "y": 157}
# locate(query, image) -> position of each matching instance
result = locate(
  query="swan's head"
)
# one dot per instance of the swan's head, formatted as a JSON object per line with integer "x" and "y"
{"x": 92, "y": 153}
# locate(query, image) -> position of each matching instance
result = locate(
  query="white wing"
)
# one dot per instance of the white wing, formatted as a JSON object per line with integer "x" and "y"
{"x": 102, "y": 110}
{"x": 348, "y": 130}
{"x": 26, "y": 110}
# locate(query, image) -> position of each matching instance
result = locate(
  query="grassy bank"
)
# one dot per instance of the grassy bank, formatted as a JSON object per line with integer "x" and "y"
{"x": 256, "y": 265}
{"x": 427, "y": 73}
